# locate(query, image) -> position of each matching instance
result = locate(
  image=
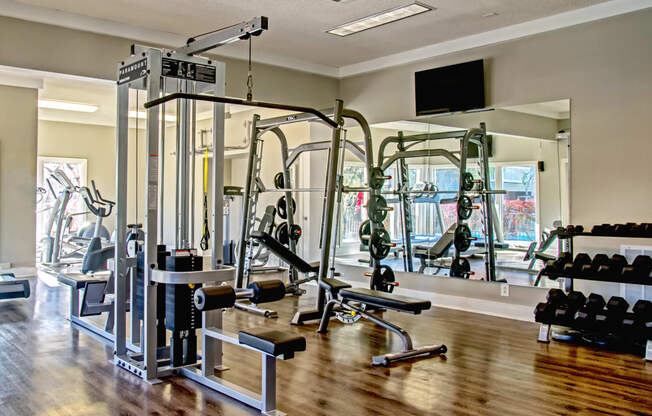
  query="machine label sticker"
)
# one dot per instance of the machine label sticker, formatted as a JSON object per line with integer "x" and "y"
{"x": 132, "y": 72}
{"x": 188, "y": 70}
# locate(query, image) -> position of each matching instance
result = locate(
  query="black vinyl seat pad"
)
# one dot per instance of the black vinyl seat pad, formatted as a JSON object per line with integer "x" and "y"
{"x": 385, "y": 300}
{"x": 272, "y": 342}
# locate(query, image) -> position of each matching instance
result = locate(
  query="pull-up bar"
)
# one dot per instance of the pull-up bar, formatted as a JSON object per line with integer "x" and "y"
{"x": 238, "y": 101}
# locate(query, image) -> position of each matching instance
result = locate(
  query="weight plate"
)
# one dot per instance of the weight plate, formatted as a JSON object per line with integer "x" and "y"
{"x": 377, "y": 208}
{"x": 379, "y": 244}
{"x": 383, "y": 279}
{"x": 281, "y": 234}
{"x": 281, "y": 207}
{"x": 460, "y": 267}
{"x": 279, "y": 182}
{"x": 464, "y": 207}
{"x": 365, "y": 229}
{"x": 468, "y": 181}
{"x": 295, "y": 232}
{"x": 462, "y": 237}
{"x": 376, "y": 178}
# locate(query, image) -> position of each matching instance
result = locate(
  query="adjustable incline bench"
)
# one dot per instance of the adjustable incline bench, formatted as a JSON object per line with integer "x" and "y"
{"x": 437, "y": 250}
{"x": 368, "y": 297}
{"x": 286, "y": 255}
{"x": 355, "y": 299}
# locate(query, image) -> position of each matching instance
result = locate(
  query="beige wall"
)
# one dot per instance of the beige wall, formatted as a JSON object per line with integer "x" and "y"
{"x": 18, "y": 127}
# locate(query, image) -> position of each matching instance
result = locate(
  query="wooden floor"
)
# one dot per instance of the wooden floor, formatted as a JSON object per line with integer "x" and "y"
{"x": 494, "y": 367}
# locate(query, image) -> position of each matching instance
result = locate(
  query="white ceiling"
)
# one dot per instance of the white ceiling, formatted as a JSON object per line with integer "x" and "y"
{"x": 297, "y": 27}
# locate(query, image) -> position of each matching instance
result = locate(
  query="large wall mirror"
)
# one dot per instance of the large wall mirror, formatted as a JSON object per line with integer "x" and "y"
{"x": 528, "y": 149}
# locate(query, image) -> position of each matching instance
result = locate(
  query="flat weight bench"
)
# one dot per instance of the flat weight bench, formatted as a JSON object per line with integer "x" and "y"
{"x": 272, "y": 344}
{"x": 12, "y": 288}
{"x": 343, "y": 295}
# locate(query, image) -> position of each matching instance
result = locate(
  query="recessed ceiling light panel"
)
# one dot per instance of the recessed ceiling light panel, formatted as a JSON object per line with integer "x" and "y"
{"x": 379, "y": 19}
{"x": 67, "y": 106}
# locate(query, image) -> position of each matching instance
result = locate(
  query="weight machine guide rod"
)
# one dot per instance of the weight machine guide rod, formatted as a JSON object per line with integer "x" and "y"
{"x": 238, "y": 101}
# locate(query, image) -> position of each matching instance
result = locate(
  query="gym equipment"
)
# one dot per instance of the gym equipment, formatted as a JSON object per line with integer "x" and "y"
{"x": 377, "y": 208}
{"x": 467, "y": 183}
{"x": 377, "y": 178}
{"x": 545, "y": 312}
{"x": 460, "y": 267}
{"x": 465, "y": 207}
{"x": 342, "y": 295}
{"x": 565, "y": 312}
{"x": 611, "y": 318}
{"x": 96, "y": 256}
{"x": 279, "y": 183}
{"x": 637, "y": 328}
{"x": 284, "y": 233}
{"x": 364, "y": 229}
{"x": 12, "y": 288}
{"x": 254, "y": 185}
{"x": 585, "y": 316}
{"x": 379, "y": 243}
{"x": 382, "y": 279}
{"x": 282, "y": 208}
{"x": 463, "y": 238}
{"x": 639, "y": 270}
{"x": 184, "y": 76}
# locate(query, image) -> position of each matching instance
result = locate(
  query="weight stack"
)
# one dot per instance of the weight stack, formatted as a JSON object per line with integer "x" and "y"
{"x": 161, "y": 254}
{"x": 181, "y": 316}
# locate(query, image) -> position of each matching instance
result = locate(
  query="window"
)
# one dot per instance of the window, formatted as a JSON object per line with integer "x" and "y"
{"x": 519, "y": 216}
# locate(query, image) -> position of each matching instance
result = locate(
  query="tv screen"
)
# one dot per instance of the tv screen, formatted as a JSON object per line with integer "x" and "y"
{"x": 451, "y": 88}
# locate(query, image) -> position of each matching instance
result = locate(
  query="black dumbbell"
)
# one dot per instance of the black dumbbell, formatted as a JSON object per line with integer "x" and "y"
{"x": 592, "y": 269}
{"x": 611, "y": 318}
{"x": 565, "y": 313}
{"x": 555, "y": 267}
{"x": 585, "y": 316}
{"x": 575, "y": 268}
{"x": 637, "y": 325}
{"x": 612, "y": 270}
{"x": 544, "y": 313}
{"x": 638, "y": 271}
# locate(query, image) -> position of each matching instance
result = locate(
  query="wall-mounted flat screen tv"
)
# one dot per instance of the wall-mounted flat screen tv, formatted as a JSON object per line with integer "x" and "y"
{"x": 449, "y": 89}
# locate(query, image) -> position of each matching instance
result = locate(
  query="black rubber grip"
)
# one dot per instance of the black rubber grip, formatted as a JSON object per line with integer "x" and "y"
{"x": 267, "y": 291}
{"x": 214, "y": 297}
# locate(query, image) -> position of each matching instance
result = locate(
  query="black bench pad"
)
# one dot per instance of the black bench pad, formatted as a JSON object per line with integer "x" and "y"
{"x": 283, "y": 252}
{"x": 272, "y": 342}
{"x": 79, "y": 280}
{"x": 385, "y": 300}
{"x": 333, "y": 285}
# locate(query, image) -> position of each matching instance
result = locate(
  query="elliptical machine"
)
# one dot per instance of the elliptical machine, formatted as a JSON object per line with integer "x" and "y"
{"x": 96, "y": 256}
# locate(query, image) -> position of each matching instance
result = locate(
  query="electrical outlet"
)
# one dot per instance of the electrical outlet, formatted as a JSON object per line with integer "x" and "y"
{"x": 504, "y": 289}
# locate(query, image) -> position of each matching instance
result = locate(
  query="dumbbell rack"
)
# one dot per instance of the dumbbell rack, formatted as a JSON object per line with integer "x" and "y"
{"x": 567, "y": 237}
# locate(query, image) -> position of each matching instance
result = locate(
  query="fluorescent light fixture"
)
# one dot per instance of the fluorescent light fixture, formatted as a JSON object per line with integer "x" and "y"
{"x": 143, "y": 115}
{"x": 67, "y": 106}
{"x": 379, "y": 19}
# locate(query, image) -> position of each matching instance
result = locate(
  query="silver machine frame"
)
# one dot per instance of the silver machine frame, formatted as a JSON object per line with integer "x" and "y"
{"x": 149, "y": 69}
{"x": 474, "y": 135}
{"x": 254, "y": 186}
